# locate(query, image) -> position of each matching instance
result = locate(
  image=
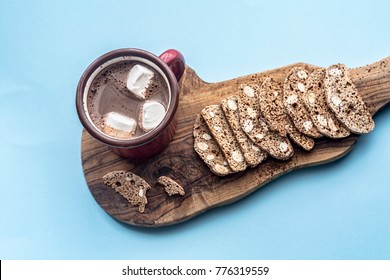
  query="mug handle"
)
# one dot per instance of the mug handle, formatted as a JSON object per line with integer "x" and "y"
{"x": 175, "y": 60}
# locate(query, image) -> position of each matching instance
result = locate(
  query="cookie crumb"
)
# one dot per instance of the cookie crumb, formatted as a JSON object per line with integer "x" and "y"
{"x": 130, "y": 186}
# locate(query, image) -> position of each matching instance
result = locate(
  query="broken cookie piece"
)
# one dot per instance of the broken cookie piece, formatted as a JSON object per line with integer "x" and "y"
{"x": 132, "y": 187}
{"x": 171, "y": 187}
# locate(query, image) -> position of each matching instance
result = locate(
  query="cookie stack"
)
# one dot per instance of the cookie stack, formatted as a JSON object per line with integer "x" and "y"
{"x": 261, "y": 119}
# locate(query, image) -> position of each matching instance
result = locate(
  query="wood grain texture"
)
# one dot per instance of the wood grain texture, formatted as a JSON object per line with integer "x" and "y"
{"x": 204, "y": 190}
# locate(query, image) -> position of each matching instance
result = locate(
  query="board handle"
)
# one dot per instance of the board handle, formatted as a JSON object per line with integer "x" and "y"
{"x": 373, "y": 84}
{"x": 175, "y": 61}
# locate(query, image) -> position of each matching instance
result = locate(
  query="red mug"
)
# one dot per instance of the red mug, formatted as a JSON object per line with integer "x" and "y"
{"x": 171, "y": 65}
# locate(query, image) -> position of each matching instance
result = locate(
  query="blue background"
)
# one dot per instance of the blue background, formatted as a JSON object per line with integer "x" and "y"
{"x": 337, "y": 211}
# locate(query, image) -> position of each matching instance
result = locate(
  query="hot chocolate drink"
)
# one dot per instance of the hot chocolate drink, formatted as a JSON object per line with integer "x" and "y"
{"x": 127, "y": 98}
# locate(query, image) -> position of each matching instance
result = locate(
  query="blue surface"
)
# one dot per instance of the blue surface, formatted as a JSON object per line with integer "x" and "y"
{"x": 337, "y": 211}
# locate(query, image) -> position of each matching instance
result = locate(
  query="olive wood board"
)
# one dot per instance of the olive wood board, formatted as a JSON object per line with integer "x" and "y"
{"x": 205, "y": 190}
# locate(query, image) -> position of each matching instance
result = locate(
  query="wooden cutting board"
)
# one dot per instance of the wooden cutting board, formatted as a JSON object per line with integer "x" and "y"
{"x": 204, "y": 190}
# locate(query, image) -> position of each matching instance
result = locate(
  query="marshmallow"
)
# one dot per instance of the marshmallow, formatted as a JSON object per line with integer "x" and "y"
{"x": 152, "y": 114}
{"x": 118, "y": 125}
{"x": 138, "y": 80}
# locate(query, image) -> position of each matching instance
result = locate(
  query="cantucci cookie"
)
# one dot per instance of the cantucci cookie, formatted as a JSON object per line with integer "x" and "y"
{"x": 252, "y": 153}
{"x": 320, "y": 113}
{"x": 294, "y": 87}
{"x": 171, "y": 187}
{"x": 208, "y": 149}
{"x": 219, "y": 128}
{"x": 344, "y": 100}
{"x": 301, "y": 139}
{"x": 255, "y": 127}
{"x": 271, "y": 106}
{"x": 132, "y": 187}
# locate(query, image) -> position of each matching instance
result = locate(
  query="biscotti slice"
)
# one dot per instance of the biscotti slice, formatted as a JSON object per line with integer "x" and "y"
{"x": 271, "y": 106}
{"x": 252, "y": 153}
{"x": 320, "y": 113}
{"x": 255, "y": 127}
{"x": 220, "y": 129}
{"x": 171, "y": 187}
{"x": 208, "y": 149}
{"x": 132, "y": 187}
{"x": 302, "y": 140}
{"x": 344, "y": 100}
{"x": 294, "y": 87}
